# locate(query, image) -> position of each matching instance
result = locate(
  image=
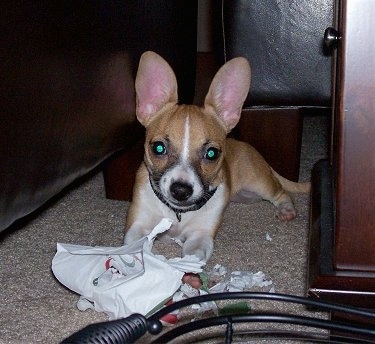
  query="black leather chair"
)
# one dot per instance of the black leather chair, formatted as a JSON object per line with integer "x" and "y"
{"x": 291, "y": 71}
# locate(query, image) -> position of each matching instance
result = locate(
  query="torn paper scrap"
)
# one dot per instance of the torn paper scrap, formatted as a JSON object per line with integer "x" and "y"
{"x": 188, "y": 263}
{"x": 241, "y": 280}
{"x": 160, "y": 228}
{"x": 122, "y": 280}
{"x": 238, "y": 280}
{"x": 218, "y": 270}
{"x": 259, "y": 280}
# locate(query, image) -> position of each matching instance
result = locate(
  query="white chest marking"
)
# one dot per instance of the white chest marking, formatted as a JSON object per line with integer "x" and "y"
{"x": 186, "y": 142}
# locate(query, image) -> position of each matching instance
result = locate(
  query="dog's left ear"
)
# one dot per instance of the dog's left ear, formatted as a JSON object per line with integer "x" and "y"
{"x": 155, "y": 85}
{"x": 228, "y": 91}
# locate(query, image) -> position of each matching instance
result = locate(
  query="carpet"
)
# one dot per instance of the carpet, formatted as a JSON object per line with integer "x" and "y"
{"x": 36, "y": 308}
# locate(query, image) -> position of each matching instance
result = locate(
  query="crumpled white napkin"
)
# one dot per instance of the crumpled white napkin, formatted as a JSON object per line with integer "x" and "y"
{"x": 122, "y": 280}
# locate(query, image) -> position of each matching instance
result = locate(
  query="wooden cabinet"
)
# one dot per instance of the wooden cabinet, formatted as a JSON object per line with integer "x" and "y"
{"x": 342, "y": 237}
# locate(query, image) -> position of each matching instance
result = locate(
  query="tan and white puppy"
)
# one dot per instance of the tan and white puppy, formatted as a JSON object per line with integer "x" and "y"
{"x": 191, "y": 170}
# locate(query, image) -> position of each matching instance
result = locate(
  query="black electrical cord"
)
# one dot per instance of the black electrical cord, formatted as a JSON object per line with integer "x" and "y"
{"x": 257, "y": 336}
{"x": 120, "y": 331}
{"x": 264, "y": 318}
{"x": 322, "y": 305}
{"x": 128, "y": 330}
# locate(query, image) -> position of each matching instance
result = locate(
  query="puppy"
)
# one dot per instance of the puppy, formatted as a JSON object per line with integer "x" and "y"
{"x": 191, "y": 170}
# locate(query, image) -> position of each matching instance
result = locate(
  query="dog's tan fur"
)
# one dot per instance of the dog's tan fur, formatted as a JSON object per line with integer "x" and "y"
{"x": 188, "y": 132}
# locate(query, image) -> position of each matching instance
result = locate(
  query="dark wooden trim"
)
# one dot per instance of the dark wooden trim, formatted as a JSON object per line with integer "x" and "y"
{"x": 324, "y": 281}
{"x": 342, "y": 237}
{"x": 120, "y": 171}
{"x": 355, "y": 131}
{"x": 277, "y": 134}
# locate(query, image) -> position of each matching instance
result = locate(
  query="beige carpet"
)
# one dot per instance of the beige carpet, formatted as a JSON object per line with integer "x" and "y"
{"x": 35, "y": 308}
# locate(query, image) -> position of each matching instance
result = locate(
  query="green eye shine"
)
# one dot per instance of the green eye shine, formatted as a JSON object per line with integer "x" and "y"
{"x": 212, "y": 153}
{"x": 158, "y": 148}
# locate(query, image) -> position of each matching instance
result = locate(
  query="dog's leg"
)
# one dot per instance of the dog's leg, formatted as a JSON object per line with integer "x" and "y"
{"x": 266, "y": 186}
{"x": 199, "y": 245}
{"x": 142, "y": 215}
{"x": 135, "y": 232}
{"x": 284, "y": 205}
{"x": 269, "y": 188}
{"x": 140, "y": 222}
{"x": 252, "y": 178}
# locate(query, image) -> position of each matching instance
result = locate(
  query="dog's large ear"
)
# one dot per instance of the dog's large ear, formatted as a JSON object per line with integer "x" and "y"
{"x": 155, "y": 86}
{"x": 228, "y": 91}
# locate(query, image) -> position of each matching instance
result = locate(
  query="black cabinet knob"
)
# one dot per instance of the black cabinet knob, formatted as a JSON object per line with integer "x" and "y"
{"x": 331, "y": 38}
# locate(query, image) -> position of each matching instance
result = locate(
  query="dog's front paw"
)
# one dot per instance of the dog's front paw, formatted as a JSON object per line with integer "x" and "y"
{"x": 201, "y": 247}
{"x": 133, "y": 235}
{"x": 286, "y": 211}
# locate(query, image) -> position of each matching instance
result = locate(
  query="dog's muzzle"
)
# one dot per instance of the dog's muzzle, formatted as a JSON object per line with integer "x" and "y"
{"x": 181, "y": 192}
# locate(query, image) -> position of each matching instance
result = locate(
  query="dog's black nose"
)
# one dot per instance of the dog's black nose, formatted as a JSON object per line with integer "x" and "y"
{"x": 181, "y": 191}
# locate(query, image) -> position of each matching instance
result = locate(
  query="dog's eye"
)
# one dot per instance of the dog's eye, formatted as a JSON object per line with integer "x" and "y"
{"x": 212, "y": 153}
{"x": 158, "y": 148}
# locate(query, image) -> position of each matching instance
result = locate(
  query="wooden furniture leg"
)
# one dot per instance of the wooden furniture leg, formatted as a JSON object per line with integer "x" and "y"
{"x": 342, "y": 238}
{"x": 119, "y": 173}
{"x": 277, "y": 134}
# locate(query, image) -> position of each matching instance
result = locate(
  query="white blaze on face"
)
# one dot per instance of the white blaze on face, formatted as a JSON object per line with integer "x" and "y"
{"x": 186, "y": 142}
{"x": 183, "y": 171}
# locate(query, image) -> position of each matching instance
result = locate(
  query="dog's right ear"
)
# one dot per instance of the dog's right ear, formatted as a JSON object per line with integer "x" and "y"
{"x": 229, "y": 90}
{"x": 155, "y": 85}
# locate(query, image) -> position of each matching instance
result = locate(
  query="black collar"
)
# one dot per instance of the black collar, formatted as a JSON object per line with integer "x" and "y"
{"x": 197, "y": 205}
